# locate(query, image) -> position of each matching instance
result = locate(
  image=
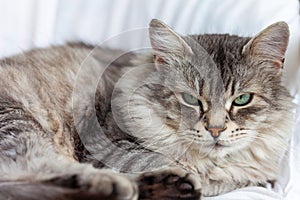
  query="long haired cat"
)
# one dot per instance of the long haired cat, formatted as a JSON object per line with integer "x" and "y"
{"x": 196, "y": 113}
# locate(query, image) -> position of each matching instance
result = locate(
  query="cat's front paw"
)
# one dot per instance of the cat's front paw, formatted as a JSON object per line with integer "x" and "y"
{"x": 103, "y": 184}
{"x": 169, "y": 184}
{"x": 112, "y": 185}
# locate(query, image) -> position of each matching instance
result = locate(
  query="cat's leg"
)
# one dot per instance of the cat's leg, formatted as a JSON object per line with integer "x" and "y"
{"x": 163, "y": 184}
{"x": 36, "y": 162}
{"x": 31, "y": 168}
{"x": 70, "y": 187}
{"x": 161, "y": 178}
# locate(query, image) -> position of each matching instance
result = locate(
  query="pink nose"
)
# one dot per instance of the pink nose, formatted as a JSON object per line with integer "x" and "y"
{"x": 215, "y": 131}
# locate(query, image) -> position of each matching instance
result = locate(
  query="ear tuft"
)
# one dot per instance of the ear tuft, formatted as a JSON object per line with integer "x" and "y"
{"x": 166, "y": 43}
{"x": 270, "y": 44}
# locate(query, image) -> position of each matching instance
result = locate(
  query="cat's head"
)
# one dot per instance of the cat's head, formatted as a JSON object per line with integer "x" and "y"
{"x": 208, "y": 94}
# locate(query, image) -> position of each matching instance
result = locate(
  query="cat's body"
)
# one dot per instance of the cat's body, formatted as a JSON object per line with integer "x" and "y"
{"x": 50, "y": 114}
{"x": 40, "y": 146}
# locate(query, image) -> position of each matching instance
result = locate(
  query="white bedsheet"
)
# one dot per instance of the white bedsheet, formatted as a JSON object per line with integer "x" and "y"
{"x": 30, "y": 23}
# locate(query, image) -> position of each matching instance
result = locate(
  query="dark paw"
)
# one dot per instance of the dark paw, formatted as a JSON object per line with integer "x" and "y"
{"x": 172, "y": 183}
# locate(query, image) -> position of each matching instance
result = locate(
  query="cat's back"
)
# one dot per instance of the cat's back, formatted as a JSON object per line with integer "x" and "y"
{"x": 41, "y": 76}
{"x": 38, "y": 85}
{"x": 42, "y": 67}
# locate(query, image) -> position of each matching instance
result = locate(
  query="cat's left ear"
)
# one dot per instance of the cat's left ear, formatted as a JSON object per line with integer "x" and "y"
{"x": 269, "y": 45}
{"x": 166, "y": 43}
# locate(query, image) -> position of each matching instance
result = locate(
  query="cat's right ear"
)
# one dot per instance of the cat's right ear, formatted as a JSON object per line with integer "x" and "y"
{"x": 269, "y": 45}
{"x": 167, "y": 45}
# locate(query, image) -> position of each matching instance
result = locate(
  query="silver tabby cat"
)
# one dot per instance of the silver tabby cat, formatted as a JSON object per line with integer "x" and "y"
{"x": 195, "y": 116}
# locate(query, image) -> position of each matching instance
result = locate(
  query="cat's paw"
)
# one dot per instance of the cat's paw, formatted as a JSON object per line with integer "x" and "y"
{"x": 101, "y": 185}
{"x": 112, "y": 185}
{"x": 169, "y": 183}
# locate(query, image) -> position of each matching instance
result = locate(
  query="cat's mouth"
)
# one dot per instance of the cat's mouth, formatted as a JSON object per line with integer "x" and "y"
{"x": 216, "y": 145}
{"x": 219, "y": 145}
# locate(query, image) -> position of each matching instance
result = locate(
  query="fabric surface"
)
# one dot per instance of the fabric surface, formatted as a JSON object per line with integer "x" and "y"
{"x": 32, "y": 23}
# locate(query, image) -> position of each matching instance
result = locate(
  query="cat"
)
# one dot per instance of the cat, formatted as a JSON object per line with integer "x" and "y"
{"x": 214, "y": 103}
{"x": 194, "y": 116}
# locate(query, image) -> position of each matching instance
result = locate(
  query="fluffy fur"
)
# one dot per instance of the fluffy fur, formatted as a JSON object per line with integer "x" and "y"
{"x": 216, "y": 69}
{"x": 58, "y": 117}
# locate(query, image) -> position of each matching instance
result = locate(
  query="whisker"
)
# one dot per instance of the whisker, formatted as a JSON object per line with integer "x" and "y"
{"x": 266, "y": 139}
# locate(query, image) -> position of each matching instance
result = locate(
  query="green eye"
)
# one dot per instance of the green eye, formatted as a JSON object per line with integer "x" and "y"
{"x": 190, "y": 99}
{"x": 242, "y": 100}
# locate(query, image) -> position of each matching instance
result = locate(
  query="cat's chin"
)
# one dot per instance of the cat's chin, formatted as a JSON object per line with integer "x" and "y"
{"x": 233, "y": 150}
{"x": 218, "y": 149}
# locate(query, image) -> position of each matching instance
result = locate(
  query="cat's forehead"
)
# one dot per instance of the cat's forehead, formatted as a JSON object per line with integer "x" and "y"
{"x": 217, "y": 62}
{"x": 221, "y": 43}
{"x": 217, "y": 52}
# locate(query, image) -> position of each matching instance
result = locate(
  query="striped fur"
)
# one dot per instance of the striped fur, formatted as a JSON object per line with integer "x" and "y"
{"x": 63, "y": 114}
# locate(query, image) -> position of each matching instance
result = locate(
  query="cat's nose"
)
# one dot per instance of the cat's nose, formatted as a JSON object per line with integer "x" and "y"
{"x": 215, "y": 132}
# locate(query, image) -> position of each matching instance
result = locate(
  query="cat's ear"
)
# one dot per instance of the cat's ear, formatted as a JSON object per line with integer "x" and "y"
{"x": 166, "y": 44}
{"x": 269, "y": 45}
